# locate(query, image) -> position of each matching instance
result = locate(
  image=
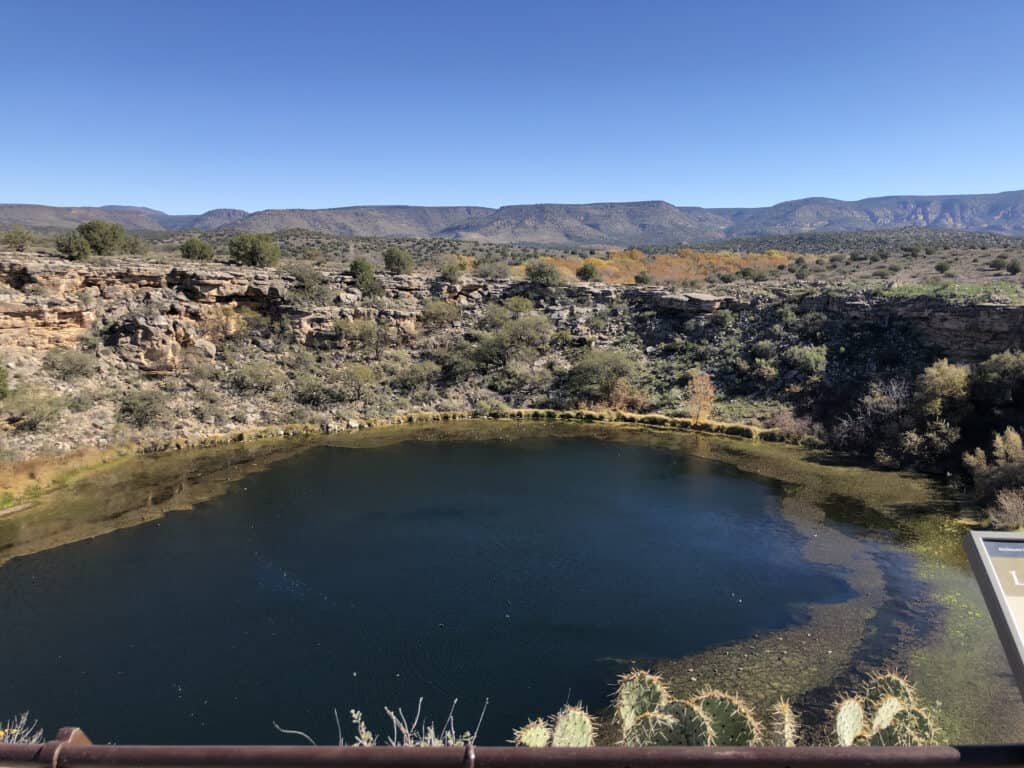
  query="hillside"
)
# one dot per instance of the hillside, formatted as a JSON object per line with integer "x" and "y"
{"x": 597, "y": 224}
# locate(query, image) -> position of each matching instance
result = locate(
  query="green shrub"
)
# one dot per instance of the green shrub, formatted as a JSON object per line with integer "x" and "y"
{"x": 361, "y": 332}
{"x": 355, "y": 381}
{"x": 105, "y": 238}
{"x": 32, "y": 409}
{"x": 1013, "y": 266}
{"x": 438, "y": 314}
{"x": 17, "y": 238}
{"x": 598, "y": 373}
{"x": 417, "y": 376}
{"x": 310, "y": 284}
{"x": 73, "y": 245}
{"x": 143, "y": 407}
{"x": 940, "y": 387}
{"x": 256, "y": 377}
{"x": 763, "y": 350}
{"x": 452, "y": 269}
{"x": 519, "y": 338}
{"x": 254, "y": 250}
{"x": 197, "y": 249}
{"x": 543, "y": 273}
{"x": 5, "y": 386}
{"x": 809, "y": 359}
{"x": 135, "y": 245}
{"x": 69, "y": 363}
{"x": 643, "y": 278}
{"x": 999, "y": 380}
{"x": 365, "y": 276}
{"x": 942, "y": 267}
{"x": 587, "y": 272}
{"x": 493, "y": 269}
{"x": 397, "y": 260}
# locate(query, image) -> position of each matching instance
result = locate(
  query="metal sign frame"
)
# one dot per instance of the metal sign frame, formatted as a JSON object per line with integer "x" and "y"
{"x": 979, "y": 546}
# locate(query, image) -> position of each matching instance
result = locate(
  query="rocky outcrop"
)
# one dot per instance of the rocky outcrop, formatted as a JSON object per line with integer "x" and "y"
{"x": 152, "y": 316}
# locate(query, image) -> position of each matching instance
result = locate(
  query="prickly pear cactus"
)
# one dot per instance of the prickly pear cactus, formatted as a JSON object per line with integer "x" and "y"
{"x": 913, "y": 728}
{"x": 647, "y": 730}
{"x": 574, "y": 727}
{"x": 851, "y": 723}
{"x": 733, "y": 722}
{"x": 679, "y": 723}
{"x": 536, "y": 733}
{"x": 785, "y": 725}
{"x": 881, "y": 685}
{"x": 882, "y": 720}
{"x": 639, "y": 693}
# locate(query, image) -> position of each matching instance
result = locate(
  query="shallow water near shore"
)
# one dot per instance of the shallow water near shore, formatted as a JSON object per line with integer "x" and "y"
{"x": 527, "y": 564}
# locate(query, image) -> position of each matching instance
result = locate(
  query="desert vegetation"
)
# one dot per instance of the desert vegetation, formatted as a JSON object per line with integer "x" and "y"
{"x": 886, "y": 710}
{"x": 361, "y": 329}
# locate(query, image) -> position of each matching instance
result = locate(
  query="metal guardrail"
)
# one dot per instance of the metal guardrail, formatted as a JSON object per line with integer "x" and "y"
{"x": 72, "y": 748}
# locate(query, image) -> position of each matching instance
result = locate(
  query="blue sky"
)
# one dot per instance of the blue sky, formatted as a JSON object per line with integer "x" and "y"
{"x": 186, "y": 106}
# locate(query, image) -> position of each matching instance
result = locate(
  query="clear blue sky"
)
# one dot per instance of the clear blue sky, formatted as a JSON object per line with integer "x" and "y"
{"x": 186, "y": 106}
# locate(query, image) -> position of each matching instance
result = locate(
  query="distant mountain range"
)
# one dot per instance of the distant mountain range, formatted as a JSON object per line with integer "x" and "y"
{"x": 600, "y": 224}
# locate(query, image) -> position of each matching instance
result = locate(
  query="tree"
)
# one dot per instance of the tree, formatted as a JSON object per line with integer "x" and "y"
{"x": 543, "y": 273}
{"x": 397, "y": 260}
{"x": 700, "y": 396}
{"x": 134, "y": 244}
{"x": 255, "y": 250}
{"x": 587, "y": 272}
{"x": 105, "y": 237}
{"x": 599, "y": 373}
{"x": 365, "y": 276}
{"x": 197, "y": 249}
{"x": 17, "y": 238}
{"x": 73, "y": 245}
{"x": 941, "y": 387}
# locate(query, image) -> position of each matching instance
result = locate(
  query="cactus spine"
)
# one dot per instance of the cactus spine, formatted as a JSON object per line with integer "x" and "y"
{"x": 639, "y": 693}
{"x": 850, "y": 721}
{"x": 733, "y": 722}
{"x": 785, "y": 725}
{"x": 536, "y": 733}
{"x": 574, "y": 727}
{"x": 889, "y": 715}
{"x": 679, "y": 723}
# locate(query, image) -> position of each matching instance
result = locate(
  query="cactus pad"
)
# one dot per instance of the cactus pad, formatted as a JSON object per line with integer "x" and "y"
{"x": 850, "y": 721}
{"x": 733, "y": 722}
{"x": 639, "y": 693}
{"x": 536, "y": 733}
{"x": 574, "y": 727}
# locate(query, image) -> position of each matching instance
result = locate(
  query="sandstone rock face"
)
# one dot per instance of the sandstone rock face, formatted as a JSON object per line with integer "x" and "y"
{"x": 179, "y": 323}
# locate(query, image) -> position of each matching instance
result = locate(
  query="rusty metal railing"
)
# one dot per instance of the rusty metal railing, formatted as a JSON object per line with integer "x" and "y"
{"x": 72, "y": 748}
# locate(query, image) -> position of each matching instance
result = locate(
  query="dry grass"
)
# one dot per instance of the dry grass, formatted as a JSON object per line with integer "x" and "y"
{"x": 685, "y": 265}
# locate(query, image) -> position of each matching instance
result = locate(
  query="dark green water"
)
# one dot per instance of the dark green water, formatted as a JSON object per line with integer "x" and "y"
{"x": 529, "y": 572}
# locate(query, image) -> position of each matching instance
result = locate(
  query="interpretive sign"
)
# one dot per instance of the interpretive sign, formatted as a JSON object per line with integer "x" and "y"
{"x": 998, "y": 562}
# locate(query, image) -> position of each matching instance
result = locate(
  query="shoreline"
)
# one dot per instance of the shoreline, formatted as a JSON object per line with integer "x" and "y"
{"x": 25, "y": 482}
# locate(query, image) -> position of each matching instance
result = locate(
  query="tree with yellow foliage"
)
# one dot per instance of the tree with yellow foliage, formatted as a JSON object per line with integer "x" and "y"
{"x": 699, "y": 396}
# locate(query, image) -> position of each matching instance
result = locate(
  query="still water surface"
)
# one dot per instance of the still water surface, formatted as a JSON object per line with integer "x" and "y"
{"x": 529, "y": 572}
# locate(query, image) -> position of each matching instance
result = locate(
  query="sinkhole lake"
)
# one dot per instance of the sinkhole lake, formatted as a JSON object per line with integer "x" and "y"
{"x": 527, "y": 572}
